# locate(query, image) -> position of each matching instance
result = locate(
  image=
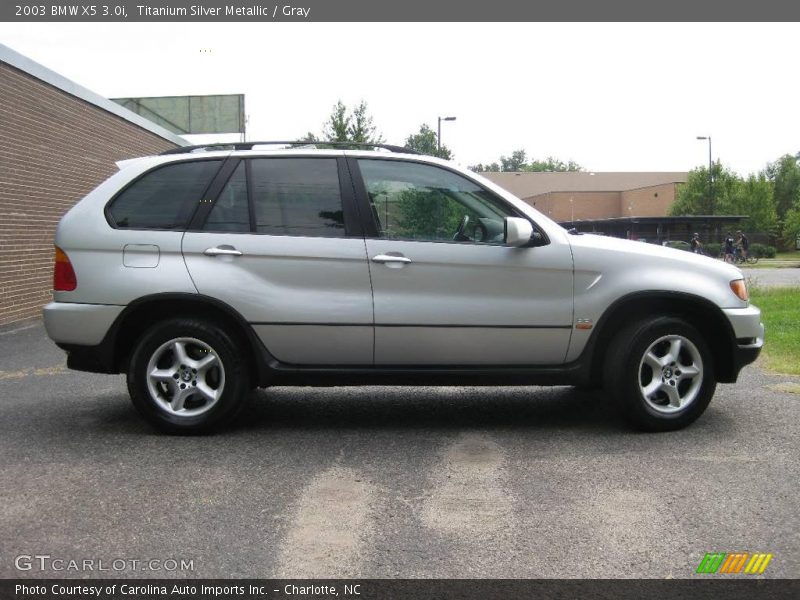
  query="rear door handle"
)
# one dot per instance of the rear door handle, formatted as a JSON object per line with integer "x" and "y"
{"x": 224, "y": 250}
{"x": 390, "y": 258}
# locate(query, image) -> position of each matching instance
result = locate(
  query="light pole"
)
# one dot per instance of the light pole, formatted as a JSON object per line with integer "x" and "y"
{"x": 710, "y": 175}
{"x": 439, "y": 132}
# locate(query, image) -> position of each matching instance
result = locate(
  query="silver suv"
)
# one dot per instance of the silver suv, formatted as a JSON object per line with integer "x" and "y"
{"x": 205, "y": 272}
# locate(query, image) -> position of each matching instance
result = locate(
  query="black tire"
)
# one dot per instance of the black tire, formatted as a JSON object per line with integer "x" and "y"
{"x": 628, "y": 373}
{"x": 222, "y": 374}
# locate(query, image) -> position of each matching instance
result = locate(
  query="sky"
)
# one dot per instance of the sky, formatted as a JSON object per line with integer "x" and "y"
{"x": 612, "y": 97}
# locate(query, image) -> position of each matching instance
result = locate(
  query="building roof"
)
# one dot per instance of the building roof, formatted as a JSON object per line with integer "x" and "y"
{"x": 34, "y": 69}
{"x": 525, "y": 185}
{"x": 669, "y": 219}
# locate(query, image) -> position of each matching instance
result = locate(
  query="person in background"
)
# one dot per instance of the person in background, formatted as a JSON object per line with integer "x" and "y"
{"x": 696, "y": 244}
{"x": 742, "y": 243}
{"x": 729, "y": 247}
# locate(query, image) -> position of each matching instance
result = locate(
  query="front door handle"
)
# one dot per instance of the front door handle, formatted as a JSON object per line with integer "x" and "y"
{"x": 224, "y": 250}
{"x": 390, "y": 258}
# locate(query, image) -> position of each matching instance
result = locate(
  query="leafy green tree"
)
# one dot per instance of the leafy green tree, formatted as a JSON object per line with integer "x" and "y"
{"x": 518, "y": 161}
{"x": 515, "y": 162}
{"x": 785, "y": 175}
{"x": 362, "y": 128}
{"x": 791, "y": 227}
{"x": 733, "y": 195}
{"x": 337, "y": 127}
{"x": 693, "y": 196}
{"x": 551, "y": 164}
{"x": 345, "y": 125}
{"x": 489, "y": 167}
{"x": 426, "y": 142}
{"x": 754, "y": 197}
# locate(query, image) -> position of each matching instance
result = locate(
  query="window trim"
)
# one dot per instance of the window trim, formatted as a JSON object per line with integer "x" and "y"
{"x": 204, "y": 196}
{"x": 371, "y": 226}
{"x": 213, "y": 192}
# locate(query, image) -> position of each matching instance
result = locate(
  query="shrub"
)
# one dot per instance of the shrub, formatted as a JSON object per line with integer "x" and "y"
{"x": 762, "y": 250}
{"x": 712, "y": 249}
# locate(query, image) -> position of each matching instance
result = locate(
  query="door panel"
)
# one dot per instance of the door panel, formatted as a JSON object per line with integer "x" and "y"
{"x": 280, "y": 247}
{"x": 280, "y": 282}
{"x": 446, "y": 290}
{"x": 462, "y": 304}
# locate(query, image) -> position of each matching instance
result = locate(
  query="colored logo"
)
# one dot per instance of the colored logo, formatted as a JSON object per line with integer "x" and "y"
{"x": 754, "y": 563}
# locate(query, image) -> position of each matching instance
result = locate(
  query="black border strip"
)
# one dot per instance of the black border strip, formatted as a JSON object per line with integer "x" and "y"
{"x": 363, "y": 11}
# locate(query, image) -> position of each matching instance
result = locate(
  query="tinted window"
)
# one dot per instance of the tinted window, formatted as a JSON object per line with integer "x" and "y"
{"x": 297, "y": 196}
{"x": 230, "y": 212}
{"x": 413, "y": 201}
{"x": 164, "y": 198}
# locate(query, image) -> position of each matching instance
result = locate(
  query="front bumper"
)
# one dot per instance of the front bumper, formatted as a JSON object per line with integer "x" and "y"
{"x": 749, "y": 332}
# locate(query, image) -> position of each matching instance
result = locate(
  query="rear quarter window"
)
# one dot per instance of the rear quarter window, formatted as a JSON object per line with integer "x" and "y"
{"x": 164, "y": 198}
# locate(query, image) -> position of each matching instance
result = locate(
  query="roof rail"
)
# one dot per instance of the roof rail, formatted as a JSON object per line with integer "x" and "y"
{"x": 295, "y": 143}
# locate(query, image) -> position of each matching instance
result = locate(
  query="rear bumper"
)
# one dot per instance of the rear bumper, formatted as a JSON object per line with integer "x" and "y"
{"x": 79, "y": 324}
{"x": 82, "y": 330}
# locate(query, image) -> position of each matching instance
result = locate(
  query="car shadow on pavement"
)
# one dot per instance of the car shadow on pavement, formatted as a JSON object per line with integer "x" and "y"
{"x": 379, "y": 408}
{"x": 439, "y": 408}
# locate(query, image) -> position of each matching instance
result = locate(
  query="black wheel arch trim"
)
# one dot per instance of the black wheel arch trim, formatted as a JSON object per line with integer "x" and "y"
{"x": 107, "y": 357}
{"x": 726, "y": 372}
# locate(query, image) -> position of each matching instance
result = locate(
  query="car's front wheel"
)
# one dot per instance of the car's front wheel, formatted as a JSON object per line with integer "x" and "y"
{"x": 187, "y": 376}
{"x": 660, "y": 372}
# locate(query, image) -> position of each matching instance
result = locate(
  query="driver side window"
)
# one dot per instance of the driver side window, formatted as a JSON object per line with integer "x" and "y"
{"x": 412, "y": 201}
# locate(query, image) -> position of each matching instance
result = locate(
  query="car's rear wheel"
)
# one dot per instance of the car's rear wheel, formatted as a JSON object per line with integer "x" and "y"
{"x": 187, "y": 376}
{"x": 661, "y": 374}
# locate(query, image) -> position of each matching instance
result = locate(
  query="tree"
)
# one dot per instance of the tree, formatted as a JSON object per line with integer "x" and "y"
{"x": 791, "y": 226}
{"x": 754, "y": 197}
{"x": 551, "y": 164}
{"x": 336, "y": 128}
{"x": 345, "y": 125}
{"x": 785, "y": 175}
{"x": 426, "y": 142}
{"x": 515, "y": 162}
{"x": 733, "y": 195}
{"x": 518, "y": 161}
{"x": 490, "y": 167}
{"x": 361, "y": 127}
{"x": 693, "y": 196}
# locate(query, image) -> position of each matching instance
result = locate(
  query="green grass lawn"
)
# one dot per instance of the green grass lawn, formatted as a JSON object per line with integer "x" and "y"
{"x": 781, "y": 261}
{"x": 780, "y": 312}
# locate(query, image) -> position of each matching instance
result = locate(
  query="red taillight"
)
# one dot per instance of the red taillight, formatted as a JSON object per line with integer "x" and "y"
{"x": 64, "y": 279}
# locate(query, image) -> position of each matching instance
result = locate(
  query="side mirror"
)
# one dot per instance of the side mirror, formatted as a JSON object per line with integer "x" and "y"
{"x": 517, "y": 231}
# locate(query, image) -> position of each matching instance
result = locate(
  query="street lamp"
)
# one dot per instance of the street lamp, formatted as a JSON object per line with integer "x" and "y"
{"x": 439, "y": 132}
{"x": 710, "y": 176}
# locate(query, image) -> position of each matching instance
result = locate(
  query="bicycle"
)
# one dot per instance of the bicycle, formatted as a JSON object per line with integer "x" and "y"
{"x": 738, "y": 259}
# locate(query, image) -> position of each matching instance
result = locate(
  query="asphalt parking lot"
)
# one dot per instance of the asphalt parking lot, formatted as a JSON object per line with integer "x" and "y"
{"x": 390, "y": 482}
{"x": 772, "y": 277}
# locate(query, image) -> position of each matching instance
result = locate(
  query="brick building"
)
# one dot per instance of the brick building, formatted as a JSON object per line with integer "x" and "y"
{"x": 580, "y": 196}
{"x": 59, "y": 141}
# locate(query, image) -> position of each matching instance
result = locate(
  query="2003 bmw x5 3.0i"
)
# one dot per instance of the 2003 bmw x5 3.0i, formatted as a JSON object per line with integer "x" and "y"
{"x": 205, "y": 272}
